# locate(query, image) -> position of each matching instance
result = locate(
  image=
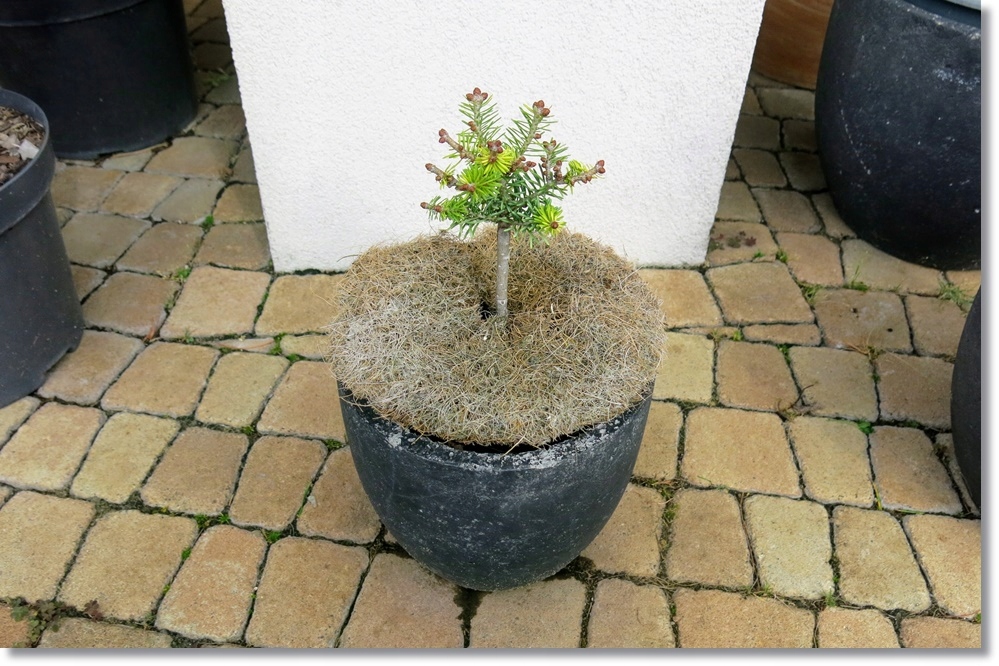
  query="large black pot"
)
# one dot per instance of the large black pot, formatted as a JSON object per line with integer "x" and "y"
{"x": 40, "y": 314}
{"x": 898, "y": 124}
{"x": 113, "y": 75}
{"x": 491, "y": 521}
{"x": 966, "y": 401}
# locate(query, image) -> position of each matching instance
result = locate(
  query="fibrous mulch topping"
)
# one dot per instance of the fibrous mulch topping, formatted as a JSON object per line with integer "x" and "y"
{"x": 413, "y": 338}
{"x": 20, "y": 140}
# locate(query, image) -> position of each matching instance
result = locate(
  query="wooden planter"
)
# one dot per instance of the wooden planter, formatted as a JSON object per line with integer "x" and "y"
{"x": 790, "y": 43}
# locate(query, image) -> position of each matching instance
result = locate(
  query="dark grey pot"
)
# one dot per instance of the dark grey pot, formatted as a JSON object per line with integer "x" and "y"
{"x": 898, "y": 123}
{"x": 40, "y": 314}
{"x": 489, "y": 521}
{"x": 966, "y": 401}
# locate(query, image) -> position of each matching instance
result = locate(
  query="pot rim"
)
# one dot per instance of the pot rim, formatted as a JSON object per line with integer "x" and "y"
{"x": 40, "y": 168}
{"x": 428, "y": 446}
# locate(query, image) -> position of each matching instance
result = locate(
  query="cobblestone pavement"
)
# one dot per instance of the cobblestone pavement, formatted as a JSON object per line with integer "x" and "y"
{"x": 184, "y": 468}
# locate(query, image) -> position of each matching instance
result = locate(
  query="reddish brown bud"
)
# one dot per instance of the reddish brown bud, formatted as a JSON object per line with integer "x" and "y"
{"x": 537, "y": 135}
{"x": 424, "y": 205}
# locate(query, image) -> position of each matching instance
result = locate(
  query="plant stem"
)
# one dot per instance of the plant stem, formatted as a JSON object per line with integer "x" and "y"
{"x": 502, "y": 268}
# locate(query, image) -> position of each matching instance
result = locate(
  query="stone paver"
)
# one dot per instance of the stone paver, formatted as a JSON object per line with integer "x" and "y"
{"x": 14, "y": 414}
{"x": 272, "y": 485}
{"x": 936, "y": 325}
{"x": 685, "y": 298}
{"x": 41, "y": 534}
{"x": 736, "y": 203}
{"x": 876, "y": 565}
{"x": 784, "y": 334}
{"x": 738, "y": 449}
{"x": 305, "y": 592}
{"x": 758, "y": 293}
{"x": 686, "y": 371}
{"x": 935, "y": 632}
{"x": 337, "y": 508}
{"x": 908, "y": 474}
{"x": 47, "y": 449}
{"x": 865, "y": 263}
{"x": 750, "y": 622}
{"x": 914, "y": 388}
{"x": 83, "y": 188}
{"x": 13, "y": 633}
{"x": 216, "y": 301}
{"x": 625, "y": 615}
{"x": 235, "y": 246}
{"x": 225, "y": 122}
{"x": 85, "y": 280}
{"x": 787, "y": 210}
{"x": 833, "y": 459}
{"x": 950, "y": 552}
{"x": 226, "y": 92}
{"x": 803, "y": 171}
{"x": 799, "y": 135}
{"x": 759, "y": 167}
{"x": 166, "y": 379}
{"x": 238, "y": 387}
{"x": 757, "y": 132}
{"x": 813, "y": 259}
{"x": 790, "y": 539}
{"x": 76, "y": 633}
{"x": 733, "y": 242}
{"x": 122, "y": 455}
{"x": 707, "y": 541}
{"x": 313, "y": 347}
{"x": 788, "y": 103}
{"x": 967, "y": 281}
{"x": 835, "y": 382}
{"x": 299, "y": 304}
{"x": 212, "y": 56}
{"x": 147, "y": 547}
{"x": 547, "y": 614}
{"x": 131, "y": 161}
{"x": 130, "y": 303}
{"x": 860, "y": 321}
{"x": 83, "y": 375}
{"x": 5, "y": 493}
{"x": 754, "y": 376}
{"x": 244, "y": 171}
{"x": 243, "y": 343}
{"x": 833, "y": 224}
{"x": 213, "y": 591}
{"x": 197, "y": 474}
{"x": 855, "y": 628}
{"x": 137, "y": 193}
{"x": 197, "y": 156}
{"x": 98, "y": 240}
{"x": 750, "y": 103}
{"x": 305, "y": 403}
{"x": 401, "y": 604}
{"x": 657, "y": 457}
{"x": 629, "y": 542}
{"x": 189, "y": 203}
{"x": 163, "y": 250}
{"x": 239, "y": 203}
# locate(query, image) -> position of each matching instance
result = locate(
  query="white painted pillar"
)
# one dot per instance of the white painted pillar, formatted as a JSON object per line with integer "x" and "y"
{"x": 344, "y": 98}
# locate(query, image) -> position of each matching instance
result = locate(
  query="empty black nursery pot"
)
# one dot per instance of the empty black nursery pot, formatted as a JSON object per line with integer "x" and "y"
{"x": 898, "y": 123}
{"x": 40, "y": 314}
{"x": 112, "y": 75}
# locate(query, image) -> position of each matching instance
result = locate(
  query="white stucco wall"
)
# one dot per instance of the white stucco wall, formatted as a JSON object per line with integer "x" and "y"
{"x": 344, "y": 98}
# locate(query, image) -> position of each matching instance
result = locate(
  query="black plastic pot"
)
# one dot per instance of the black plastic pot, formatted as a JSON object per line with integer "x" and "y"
{"x": 966, "y": 401}
{"x": 491, "y": 521}
{"x": 898, "y": 124}
{"x": 113, "y": 75}
{"x": 40, "y": 314}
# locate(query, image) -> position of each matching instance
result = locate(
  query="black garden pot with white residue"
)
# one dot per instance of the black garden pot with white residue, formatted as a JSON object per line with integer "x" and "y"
{"x": 489, "y": 521}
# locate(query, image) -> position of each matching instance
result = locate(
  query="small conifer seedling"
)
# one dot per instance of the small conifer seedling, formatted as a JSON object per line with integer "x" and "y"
{"x": 509, "y": 178}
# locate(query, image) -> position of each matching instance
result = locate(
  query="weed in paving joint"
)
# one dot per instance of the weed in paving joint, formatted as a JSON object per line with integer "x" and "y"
{"x": 954, "y": 294}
